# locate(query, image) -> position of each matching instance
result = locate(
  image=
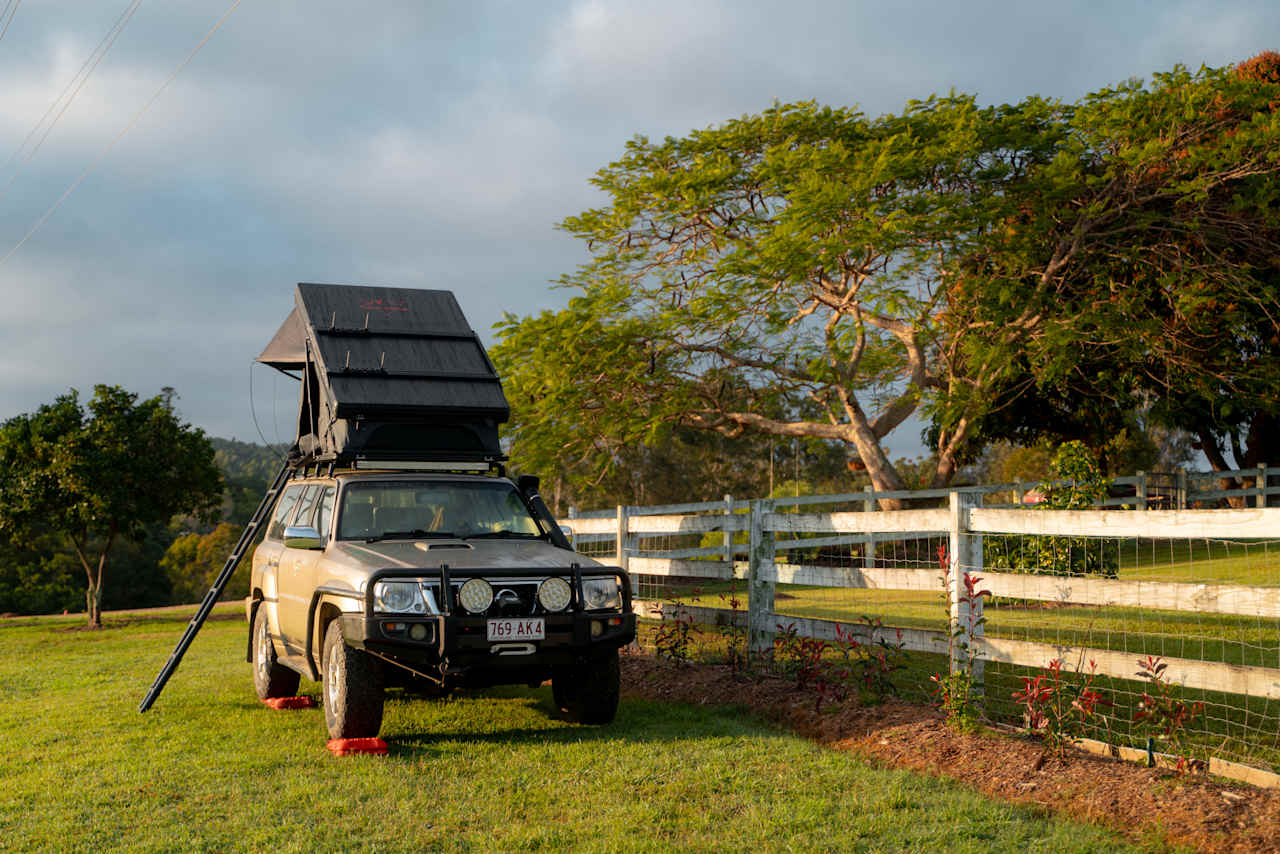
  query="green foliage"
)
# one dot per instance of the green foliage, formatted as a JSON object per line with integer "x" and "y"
{"x": 779, "y": 273}
{"x": 1046, "y": 555}
{"x": 103, "y": 475}
{"x": 193, "y": 561}
{"x": 247, "y": 470}
{"x": 1140, "y": 273}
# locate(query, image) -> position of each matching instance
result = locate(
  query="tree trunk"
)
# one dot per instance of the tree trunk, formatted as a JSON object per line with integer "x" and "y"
{"x": 93, "y": 604}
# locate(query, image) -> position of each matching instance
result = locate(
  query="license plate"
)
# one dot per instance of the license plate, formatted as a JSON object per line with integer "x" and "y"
{"x": 528, "y": 629}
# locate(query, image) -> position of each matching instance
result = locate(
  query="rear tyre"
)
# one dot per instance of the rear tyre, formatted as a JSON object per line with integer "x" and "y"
{"x": 270, "y": 677}
{"x": 587, "y": 691}
{"x": 353, "y": 688}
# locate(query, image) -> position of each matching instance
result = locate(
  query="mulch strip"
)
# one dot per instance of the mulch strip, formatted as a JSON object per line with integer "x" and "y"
{"x": 1137, "y": 802}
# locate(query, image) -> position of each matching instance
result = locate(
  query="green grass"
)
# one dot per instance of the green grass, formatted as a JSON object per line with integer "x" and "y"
{"x": 210, "y": 769}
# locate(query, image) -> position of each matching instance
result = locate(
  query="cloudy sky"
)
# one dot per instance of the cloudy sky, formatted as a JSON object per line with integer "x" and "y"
{"x": 430, "y": 145}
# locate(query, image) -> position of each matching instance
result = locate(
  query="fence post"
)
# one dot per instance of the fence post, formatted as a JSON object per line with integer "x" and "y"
{"x": 762, "y": 574}
{"x": 966, "y": 558}
{"x": 1262, "y": 485}
{"x": 728, "y": 535}
{"x": 869, "y": 550}
{"x": 622, "y": 538}
{"x": 1182, "y": 489}
{"x": 1140, "y": 491}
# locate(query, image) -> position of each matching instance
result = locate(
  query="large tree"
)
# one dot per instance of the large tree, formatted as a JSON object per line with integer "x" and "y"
{"x": 94, "y": 476}
{"x": 782, "y": 273}
{"x": 1143, "y": 274}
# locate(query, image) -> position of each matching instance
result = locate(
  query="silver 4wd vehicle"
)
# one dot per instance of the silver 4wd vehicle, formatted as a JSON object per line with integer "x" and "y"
{"x": 395, "y": 551}
{"x": 368, "y": 580}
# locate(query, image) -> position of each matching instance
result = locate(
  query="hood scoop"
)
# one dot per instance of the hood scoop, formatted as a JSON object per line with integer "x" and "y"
{"x": 431, "y": 547}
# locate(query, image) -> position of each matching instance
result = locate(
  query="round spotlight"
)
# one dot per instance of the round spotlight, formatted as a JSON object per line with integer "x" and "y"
{"x": 476, "y": 596}
{"x": 418, "y": 631}
{"x": 554, "y": 594}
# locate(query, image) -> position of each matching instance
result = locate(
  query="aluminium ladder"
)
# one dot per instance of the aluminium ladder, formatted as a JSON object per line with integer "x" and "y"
{"x": 215, "y": 592}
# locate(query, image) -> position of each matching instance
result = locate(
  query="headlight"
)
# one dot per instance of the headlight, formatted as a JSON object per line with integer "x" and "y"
{"x": 600, "y": 593}
{"x": 476, "y": 596}
{"x": 554, "y": 594}
{"x": 398, "y": 597}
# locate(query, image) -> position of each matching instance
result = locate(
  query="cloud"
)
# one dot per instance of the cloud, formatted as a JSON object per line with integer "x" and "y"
{"x": 433, "y": 145}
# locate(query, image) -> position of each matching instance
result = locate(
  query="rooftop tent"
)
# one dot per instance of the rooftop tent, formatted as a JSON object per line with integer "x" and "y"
{"x": 388, "y": 374}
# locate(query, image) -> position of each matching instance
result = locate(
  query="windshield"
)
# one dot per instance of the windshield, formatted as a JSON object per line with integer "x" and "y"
{"x": 390, "y": 509}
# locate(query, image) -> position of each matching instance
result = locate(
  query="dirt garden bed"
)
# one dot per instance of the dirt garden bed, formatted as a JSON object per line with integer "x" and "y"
{"x": 1141, "y": 803}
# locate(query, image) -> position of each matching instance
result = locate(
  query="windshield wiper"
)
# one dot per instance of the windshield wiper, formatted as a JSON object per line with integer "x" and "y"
{"x": 518, "y": 535}
{"x": 415, "y": 534}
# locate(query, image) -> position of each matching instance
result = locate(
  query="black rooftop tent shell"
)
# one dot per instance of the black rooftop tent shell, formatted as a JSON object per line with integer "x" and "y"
{"x": 388, "y": 374}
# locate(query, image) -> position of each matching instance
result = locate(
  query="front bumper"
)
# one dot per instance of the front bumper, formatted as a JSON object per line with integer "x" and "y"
{"x": 454, "y": 644}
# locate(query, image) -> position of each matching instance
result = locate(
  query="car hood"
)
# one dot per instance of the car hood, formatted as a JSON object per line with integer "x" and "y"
{"x": 458, "y": 554}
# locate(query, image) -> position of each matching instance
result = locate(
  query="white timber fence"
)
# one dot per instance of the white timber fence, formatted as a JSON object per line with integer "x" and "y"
{"x": 1097, "y": 590}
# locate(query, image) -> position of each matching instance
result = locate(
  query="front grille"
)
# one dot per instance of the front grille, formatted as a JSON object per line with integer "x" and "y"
{"x": 511, "y": 597}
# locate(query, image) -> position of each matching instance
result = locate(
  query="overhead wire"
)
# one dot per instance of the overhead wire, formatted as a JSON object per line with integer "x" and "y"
{"x": 78, "y": 81}
{"x": 5, "y": 28}
{"x": 128, "y": 127}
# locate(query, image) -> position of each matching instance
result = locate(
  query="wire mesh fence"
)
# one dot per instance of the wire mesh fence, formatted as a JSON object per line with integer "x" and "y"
{"x": 1192, "y": 604}
{"x": 1174, "y": 641}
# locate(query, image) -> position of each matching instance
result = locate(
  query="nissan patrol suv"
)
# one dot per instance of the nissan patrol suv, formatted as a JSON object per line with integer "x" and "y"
{"x": 430, "y": 581}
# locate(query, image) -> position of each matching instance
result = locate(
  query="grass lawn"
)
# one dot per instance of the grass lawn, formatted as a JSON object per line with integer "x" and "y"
{"x": 210, "y": 769}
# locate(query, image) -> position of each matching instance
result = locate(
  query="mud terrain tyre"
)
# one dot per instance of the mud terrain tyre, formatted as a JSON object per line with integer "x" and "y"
{"x": 353, "y": 688}
{"x": 270, "y": 677}
{"x": 587, "y": 690}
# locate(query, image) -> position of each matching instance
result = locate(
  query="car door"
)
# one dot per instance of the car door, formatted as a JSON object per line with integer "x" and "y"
{"x": 294, "y": 580}
{"x": 308, "y": 565}
{"x": 266, "y": 558}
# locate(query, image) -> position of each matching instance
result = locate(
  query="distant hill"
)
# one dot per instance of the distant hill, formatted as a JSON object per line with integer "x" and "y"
{"x": 247, "y": 464}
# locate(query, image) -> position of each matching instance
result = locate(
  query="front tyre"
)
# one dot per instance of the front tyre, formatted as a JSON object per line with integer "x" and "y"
{"x": 587, "y": 691}
{"x": 353, "y": 688}
{"x": 270, "y": 677}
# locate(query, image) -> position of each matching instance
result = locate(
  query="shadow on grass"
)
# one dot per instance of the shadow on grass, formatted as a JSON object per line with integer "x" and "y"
{"x": 638, "y": 721}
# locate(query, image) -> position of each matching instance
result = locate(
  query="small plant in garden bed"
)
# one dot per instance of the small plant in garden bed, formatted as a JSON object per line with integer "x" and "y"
{"x": 800, "y": 658}
{"x": 954, "y": 693}
{"x": 1058, "y": 706}
{"x": 737, "y": 654}
{"x": 1163, "y": 714}
{"x": 675, "y": 633}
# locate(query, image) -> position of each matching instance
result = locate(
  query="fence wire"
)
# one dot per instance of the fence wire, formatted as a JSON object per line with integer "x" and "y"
{"x": 1184, "y": 603}
{"x": 1152, "y": 623}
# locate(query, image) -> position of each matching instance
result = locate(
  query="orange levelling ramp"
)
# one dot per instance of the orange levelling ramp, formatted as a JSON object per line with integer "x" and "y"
{"x": 346, "y": 746}
{"x": 290, "y": 703}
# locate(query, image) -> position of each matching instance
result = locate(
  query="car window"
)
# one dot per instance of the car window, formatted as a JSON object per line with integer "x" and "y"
{"x": 326, "y": 510}
{"x": 440, "y": 508}
{"x": 306, "y": 505}
{"x": 284, "y": 511}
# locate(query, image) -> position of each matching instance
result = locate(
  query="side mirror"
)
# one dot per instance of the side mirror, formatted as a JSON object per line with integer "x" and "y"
{"x": 302, "y": 537}
{"x": 528, "y": 484}
{"x": 568, "y": 533}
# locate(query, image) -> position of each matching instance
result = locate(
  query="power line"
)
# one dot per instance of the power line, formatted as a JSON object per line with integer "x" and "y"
{"x": 132, "y": 122}
{"x": 90, "y": 63}
{"x": 16, "y": 4}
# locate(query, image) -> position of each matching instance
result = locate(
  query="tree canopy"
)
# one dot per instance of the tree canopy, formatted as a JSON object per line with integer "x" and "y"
{"x": 95, "y": 475}
{"x": 781, "y": 273}
{"x": 1144, "y": 276}
{"x": 809, "y": 271}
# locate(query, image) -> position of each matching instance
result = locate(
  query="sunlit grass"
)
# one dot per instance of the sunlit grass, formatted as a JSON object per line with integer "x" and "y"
{"x": 210, "y": 769}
